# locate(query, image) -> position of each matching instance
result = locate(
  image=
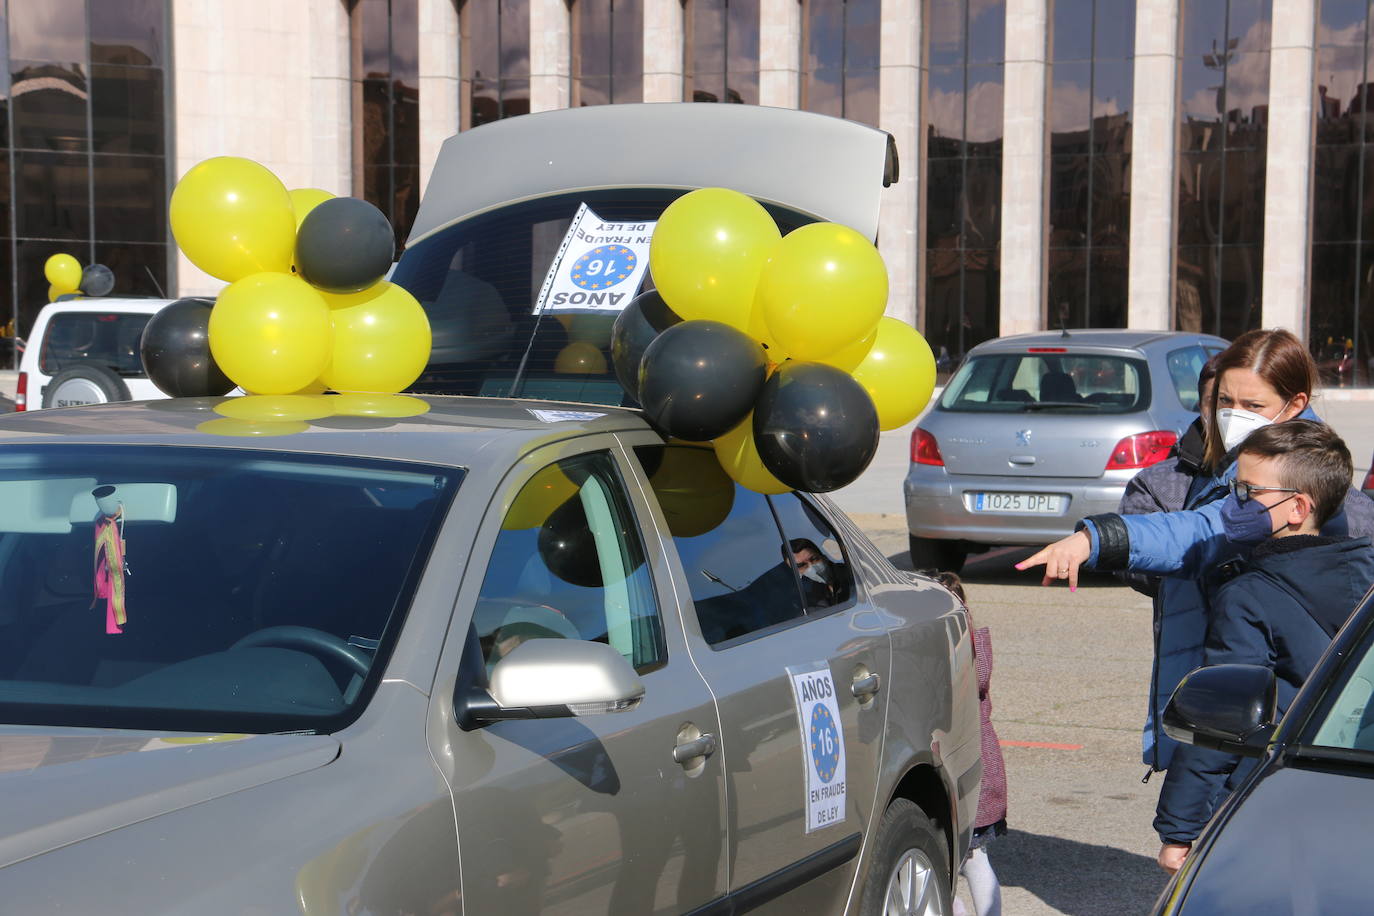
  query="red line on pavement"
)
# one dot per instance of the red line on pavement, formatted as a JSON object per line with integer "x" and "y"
{"x": 1047, "y": 745}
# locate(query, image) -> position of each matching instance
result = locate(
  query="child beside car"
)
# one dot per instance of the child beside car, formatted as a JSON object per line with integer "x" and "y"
{"x": 1281, "y": 610}
{"x": 991, "y": 819}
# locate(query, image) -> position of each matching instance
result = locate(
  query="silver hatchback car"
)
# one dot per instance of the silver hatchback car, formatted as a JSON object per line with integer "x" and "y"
{"x": 1036, "y": 431}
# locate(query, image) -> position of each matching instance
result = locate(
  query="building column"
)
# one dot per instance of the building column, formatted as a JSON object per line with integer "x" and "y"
{"x": 440, "y": 80}
{"x": 1154, "y": 164}
{"x": 550, "y": 55}
{"x": 663, "y": 50}
{"x": 899, "y": 113}
{"x": 1025, "y": 150}
{"x": 780, "y": 53}
{"x": 244, "y": 88}
{"x": 1288, "y": 167}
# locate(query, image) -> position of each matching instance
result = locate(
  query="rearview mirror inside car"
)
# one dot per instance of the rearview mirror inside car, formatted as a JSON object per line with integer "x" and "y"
{"x": 553, "y": 678}
{"x": 1229, "y": 708}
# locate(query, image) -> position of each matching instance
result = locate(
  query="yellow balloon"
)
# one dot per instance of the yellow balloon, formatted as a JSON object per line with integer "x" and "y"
{"x": 348, "y": 300}
{"x": 289, "y": 407}
{"x": 548, "y": 489}
{"x": 898, "y": 373}
{"x": 303, "y": 200}
{"x": 852, "y": 355}
{"x": 706, "y": 254}
{"x": 386, "y": 406}
{"x": 739, "y": 458}
{"x": 64, "y": 273}
{"x": 53, "y": 293}
{"x": 233, "y": 218}
{"x": 380, "y": 345}
{"x": 229, "y": 426}
{"x": 824, "y": 288}
{"x": 693, "y": 491}
{"x": 580, "y": 358}
{"x": 271, "y": 334}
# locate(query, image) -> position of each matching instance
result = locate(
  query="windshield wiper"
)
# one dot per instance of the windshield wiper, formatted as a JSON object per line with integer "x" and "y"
{"x": 1055, "y": 405}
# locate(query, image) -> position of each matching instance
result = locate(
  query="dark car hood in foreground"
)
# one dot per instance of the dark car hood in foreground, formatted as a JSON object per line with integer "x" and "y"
{"x": 1297, "y": 844}
{"x": 62, "y": 787}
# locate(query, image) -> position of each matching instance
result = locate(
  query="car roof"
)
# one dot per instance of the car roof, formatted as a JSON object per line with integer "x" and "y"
{"x": 453, "y": 430}
{"x": 825, "y": 167}
{"x": 138, "y": 306}
{"x": 1098, "y": 338}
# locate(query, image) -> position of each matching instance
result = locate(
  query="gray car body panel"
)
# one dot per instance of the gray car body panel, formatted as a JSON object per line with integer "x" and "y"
{"x": 822, "y": 166}
{"x": 1066, "y": 454}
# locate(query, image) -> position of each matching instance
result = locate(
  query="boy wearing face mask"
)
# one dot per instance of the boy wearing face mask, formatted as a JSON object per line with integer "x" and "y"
{"x": 1295, "y": 591}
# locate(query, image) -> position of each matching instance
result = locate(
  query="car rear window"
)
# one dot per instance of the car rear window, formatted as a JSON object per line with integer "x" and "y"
{"x": 479, "y": 279}
{"x": 1051, "y": 382}
{"x": 110, "y": 339}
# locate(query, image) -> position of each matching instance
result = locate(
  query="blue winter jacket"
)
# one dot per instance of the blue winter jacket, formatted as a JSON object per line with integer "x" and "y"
{"x": 1280, "y": 612}
{"x": 1191, "y": 549}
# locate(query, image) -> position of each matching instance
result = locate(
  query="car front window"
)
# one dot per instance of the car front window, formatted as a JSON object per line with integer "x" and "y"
{"x": 1345, "y": 716}
{"x": 259, "y": 592}
{"x": 479, "y": 279}
{"x": 1051, "y": 380}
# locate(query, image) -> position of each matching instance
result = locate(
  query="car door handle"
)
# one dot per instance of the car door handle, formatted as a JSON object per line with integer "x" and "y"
{"x": 864, "y": 688}
{"x": 688, "y": 751}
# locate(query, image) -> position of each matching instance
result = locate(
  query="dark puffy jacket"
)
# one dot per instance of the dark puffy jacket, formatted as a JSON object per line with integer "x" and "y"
{"x": 1281, "y": 612}
{"x": 1190, "y": 550}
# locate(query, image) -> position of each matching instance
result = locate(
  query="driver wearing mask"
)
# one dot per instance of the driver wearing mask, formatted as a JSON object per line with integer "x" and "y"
{"x": 817, "y": 574}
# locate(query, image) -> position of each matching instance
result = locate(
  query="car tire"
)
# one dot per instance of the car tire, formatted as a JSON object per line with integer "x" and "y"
{"x": 937, "y": 553}
{"x": 910, "y": 874}
{"x": 84, "y": 385}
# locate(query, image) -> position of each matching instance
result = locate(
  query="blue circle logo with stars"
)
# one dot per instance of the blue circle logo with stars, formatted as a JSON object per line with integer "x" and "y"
{"x": 825, "y": 742}
{"x": 603, "y": 267}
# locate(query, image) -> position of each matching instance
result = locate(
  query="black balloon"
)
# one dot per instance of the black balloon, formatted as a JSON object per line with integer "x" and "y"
{"x": 816, "y": 428}
{"x": 635, "y": 328}
{"x": 344, "y": 245}
{"x": 176, "y": 351}
{"x": 567, "y": 547}
{"x": 97, "y": 280}
{"x": 699, "y": 379}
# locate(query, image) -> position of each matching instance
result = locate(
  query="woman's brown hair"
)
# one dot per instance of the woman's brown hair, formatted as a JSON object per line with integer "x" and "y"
{"x": 1277, "y": 357}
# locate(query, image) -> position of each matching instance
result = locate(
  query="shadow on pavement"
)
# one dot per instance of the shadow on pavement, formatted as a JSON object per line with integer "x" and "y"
{"x": 1077, "y": 878}
{"x": 998, "y": 567}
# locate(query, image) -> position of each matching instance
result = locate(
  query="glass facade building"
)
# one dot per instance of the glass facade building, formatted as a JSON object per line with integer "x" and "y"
{"x": 1150, "y": 190}
{"x": 963, "y": 176}
{"x": 1090, "y": 162}
{"x": 85, "y": 132}
{"x": 1223, "y": 141}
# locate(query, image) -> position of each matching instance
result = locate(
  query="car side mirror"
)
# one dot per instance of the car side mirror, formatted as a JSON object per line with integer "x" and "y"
{"x": 552, "y": 678}
{"x": 1230, "y": 708}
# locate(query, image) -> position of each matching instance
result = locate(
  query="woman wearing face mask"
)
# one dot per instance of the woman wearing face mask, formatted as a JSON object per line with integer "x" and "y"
{"x": 1264, "y": 377}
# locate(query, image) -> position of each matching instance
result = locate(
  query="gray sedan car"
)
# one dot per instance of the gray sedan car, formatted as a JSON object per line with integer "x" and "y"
{"x": 1036, "y": 431}
{"x": 497, "y": 656}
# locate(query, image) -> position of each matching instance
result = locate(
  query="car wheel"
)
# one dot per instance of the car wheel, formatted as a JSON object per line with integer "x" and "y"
{"x": 910, "y": 874}
{"x": 936, "y": 553}
{"x": 81, "y": 385}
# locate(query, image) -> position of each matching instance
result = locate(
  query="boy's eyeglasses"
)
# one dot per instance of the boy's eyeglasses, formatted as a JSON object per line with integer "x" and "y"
{"x": 1244, "y": 492}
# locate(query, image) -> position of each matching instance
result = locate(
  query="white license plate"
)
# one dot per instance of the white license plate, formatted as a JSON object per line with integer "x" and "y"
{"x": 1042, "y": 503}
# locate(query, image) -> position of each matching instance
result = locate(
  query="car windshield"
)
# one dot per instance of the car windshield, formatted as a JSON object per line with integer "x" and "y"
{"x": 109, "y": 339}
{"x": 479, "y": 280}
{"x": 1052, "y": 382}
{"x": 203, "y": 589}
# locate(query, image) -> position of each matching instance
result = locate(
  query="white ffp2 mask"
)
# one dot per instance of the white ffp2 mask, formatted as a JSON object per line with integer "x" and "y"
{"x": 1236, "y": 425}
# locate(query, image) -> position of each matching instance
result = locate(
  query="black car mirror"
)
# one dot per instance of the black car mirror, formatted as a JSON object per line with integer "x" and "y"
{"x": 1229, "y": 708}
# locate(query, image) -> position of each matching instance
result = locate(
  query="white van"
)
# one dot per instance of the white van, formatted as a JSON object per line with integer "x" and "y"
{"x": 86, "y": 351}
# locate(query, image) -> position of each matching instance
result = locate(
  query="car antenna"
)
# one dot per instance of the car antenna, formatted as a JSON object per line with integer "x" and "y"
{"x": 1064, "y": 329}
{"x": 156, "y": 285}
